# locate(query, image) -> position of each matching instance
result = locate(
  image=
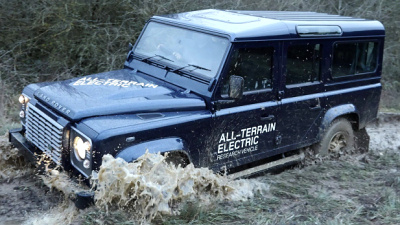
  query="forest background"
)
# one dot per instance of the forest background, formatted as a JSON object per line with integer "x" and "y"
{"x": 46, "y": 40}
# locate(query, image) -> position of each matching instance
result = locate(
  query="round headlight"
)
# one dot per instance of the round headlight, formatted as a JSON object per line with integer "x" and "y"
{"x": 81, "y": 147}
{"x": 23, "y": 99}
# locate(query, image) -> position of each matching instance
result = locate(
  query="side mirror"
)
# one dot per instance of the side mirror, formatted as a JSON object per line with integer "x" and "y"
{"x": 130, "y": 46}
{"x": 236, "y": 84}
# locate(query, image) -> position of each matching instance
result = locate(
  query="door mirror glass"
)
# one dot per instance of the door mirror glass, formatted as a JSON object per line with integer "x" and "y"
{"x": 236, "y": 87}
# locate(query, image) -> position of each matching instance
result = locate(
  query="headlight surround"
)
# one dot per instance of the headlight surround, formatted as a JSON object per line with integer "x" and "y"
{"x": 81, "y": 150}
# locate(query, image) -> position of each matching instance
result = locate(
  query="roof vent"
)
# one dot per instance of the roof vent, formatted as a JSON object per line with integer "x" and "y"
{"x": 315, "y": 30}
{"x": 150, "y": 116}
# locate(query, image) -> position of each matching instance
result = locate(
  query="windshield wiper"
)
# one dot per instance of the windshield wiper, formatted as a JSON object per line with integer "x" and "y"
{"x": 156, "y": 55}
{"x": 165, "y": 58}
{"x": 191, "y": 65}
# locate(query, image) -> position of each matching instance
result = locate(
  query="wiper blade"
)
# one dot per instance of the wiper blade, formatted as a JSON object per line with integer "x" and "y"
{"x": 156, "y": 55}
{"x": 165, "y": 58}
{"x": 199, "y": 67}
{"x": 191, "y": 65}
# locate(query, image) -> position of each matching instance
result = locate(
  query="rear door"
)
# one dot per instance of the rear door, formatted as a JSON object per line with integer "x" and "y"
{"x": 302, "y": 99}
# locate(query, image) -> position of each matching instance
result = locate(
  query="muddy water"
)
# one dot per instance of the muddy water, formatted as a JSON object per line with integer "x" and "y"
{"x": 385, "y": 133}
{"x": 151, "y": 186}
{"x": 12, "y": 165}
{"x": 148, "y": 187}
{"x": 63, "y": 213}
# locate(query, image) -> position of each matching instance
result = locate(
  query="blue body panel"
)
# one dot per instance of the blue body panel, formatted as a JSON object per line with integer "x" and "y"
{"x": 156, "y": 146}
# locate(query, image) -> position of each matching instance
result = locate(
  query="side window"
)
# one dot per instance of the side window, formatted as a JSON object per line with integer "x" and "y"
{"x": 254, "y": 65}
{"x": 303, "y": 63}
{"x": 354, "y": 58}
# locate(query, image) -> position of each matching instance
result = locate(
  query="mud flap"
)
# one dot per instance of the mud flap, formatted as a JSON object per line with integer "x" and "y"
{"x": 361, "y": 141}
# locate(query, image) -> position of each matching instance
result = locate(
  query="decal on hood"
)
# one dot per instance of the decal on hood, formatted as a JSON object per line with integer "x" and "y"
{"x": 111, "y": 82}
{"x": 55, "y": 104}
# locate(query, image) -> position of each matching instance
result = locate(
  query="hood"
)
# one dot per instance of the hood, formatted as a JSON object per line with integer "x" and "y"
{"x": 116, "y": 92}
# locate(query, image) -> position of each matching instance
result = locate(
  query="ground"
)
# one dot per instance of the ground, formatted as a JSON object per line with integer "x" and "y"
{"x": 362, "y": 188}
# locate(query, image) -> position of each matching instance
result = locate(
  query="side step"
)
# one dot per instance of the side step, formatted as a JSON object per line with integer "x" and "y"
{"x": 281, "y": 162}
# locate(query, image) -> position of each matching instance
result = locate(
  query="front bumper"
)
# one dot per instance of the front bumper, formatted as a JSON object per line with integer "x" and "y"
{"x": 82, "y": 199}
{"x": 16, "y": 137}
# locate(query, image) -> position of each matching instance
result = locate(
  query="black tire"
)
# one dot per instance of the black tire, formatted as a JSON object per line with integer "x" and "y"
{"x": 337, "y": 140}
{"x": 177, "y": 158}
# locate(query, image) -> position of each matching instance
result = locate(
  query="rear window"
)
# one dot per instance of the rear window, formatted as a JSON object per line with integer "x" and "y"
{"x": 354, "y": 58}
{"x": 303, "y": 63}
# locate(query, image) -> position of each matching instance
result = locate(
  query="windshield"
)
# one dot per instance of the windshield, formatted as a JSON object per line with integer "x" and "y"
{"x": 185, "y": 49}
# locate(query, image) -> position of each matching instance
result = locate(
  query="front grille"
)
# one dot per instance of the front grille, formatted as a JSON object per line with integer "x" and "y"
{"x": 44, "y": 133}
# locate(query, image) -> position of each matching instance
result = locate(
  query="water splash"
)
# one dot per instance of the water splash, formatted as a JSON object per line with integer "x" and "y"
{"x": 65, "y": 213}
{"x": 150, "y": 186}
{"x": 12, "y": 164}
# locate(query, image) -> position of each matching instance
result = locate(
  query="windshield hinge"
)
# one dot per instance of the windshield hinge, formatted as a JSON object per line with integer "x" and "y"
{"x": 212, "y": 83}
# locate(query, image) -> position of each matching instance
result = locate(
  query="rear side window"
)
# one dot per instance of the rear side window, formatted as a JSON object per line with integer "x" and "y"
{"x": 254, "y": 65}
{"x": 303, "y": 63}
{"x": 354, "y": 58}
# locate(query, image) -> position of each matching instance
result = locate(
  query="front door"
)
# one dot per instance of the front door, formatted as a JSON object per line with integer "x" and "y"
{"x": 243, "y": 131}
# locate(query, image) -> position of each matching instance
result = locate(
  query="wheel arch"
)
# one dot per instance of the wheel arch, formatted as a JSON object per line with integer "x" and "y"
{"x": 173, "y": 145}
{"x": 347, "y": 111}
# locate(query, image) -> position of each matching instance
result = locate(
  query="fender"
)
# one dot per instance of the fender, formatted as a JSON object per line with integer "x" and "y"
{"x": 334, "y": 113}
{"x": 161, "y": 145}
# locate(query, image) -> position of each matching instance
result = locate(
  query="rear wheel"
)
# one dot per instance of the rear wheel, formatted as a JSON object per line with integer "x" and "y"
{"x": 337, "y": 140}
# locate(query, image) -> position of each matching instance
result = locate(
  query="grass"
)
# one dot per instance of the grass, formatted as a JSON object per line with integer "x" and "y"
{"x": 6, "y": 126}
{"x": 9, "y": 122}
{"x": 355, "y": 190}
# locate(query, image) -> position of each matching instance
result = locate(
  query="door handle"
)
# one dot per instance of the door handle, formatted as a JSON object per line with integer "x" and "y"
{"x": 267, "y": 118}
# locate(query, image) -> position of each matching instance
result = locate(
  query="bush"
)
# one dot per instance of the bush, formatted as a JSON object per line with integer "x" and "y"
{"x": 43, "y": 40}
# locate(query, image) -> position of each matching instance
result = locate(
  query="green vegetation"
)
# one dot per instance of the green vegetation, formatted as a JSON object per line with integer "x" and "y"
{"x": 358, "y": 189}
{"x": 335, "y": 192}
{"x": 55, "y": 40}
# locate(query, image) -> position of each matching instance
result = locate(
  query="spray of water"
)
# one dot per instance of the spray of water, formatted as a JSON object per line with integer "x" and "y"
{"x": 64, "y": 213}
{"x": 12, "y": 164}
{"x": 150, "y": 186}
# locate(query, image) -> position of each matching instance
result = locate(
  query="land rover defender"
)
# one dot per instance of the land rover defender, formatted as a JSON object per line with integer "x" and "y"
{"x": 227, "y": 90}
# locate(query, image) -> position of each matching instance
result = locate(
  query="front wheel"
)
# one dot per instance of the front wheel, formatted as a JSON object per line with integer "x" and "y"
{"x": 337, "y": 140}
{"x": 177, "y": 158}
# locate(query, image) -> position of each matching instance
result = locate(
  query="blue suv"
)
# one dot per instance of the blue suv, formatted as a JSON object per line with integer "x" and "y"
{"x": 236, "y": 91}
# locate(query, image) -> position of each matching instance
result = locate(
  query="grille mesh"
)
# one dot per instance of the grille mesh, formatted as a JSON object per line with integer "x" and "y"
{"x": 44, "y": 133}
